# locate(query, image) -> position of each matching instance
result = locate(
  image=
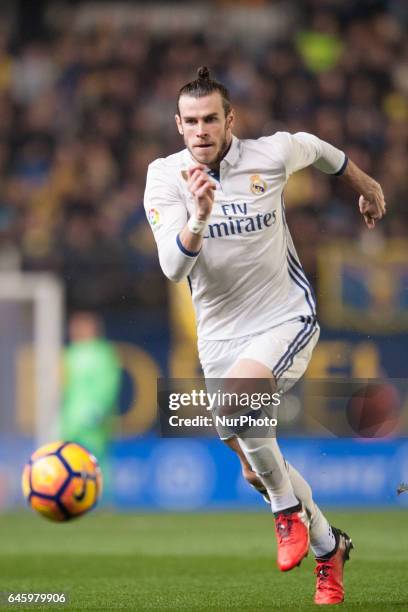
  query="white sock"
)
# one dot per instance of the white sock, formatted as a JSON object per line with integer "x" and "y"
{"x": 323, "y": 542}
{"x": 265, "y": 458}
{"x": 322, "y": 539}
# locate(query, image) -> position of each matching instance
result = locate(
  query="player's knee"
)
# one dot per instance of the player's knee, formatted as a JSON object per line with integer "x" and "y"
{"x": 232, "y": 390}
{"x": 239, "y": 393}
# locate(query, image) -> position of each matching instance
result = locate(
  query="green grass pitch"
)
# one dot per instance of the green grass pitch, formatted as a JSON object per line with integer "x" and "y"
{"x": 193, "y": 562}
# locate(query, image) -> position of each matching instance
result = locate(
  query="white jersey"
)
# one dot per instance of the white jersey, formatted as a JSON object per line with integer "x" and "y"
{"x": 247, "y": 277}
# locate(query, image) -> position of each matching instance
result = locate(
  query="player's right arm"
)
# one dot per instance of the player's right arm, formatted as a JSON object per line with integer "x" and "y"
{"x": 178, "y": 238}
{"x": 202, "y": 189}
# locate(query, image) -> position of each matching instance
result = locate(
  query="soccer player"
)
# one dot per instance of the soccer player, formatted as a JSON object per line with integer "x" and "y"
{"x": 217, "y": 213}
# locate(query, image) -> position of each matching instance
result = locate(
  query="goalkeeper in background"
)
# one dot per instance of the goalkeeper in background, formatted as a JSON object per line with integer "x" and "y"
{"x": 92, "y": 375}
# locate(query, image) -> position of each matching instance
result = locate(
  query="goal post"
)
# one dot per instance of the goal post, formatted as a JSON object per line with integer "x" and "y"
{"x": 32, "y": 314}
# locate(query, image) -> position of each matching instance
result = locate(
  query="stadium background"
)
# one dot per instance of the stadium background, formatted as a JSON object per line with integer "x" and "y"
{"x": 87, "y": 94}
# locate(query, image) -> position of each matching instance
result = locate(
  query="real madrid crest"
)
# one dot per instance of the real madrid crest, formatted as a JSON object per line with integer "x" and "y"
{"x": 258, "y": 185}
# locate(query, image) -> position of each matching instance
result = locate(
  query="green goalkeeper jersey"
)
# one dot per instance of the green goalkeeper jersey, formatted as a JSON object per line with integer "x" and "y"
{"x": 91, "y": 388}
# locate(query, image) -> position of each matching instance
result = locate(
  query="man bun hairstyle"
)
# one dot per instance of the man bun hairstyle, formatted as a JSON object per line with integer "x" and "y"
{"x": 204, "y": 85}
{"x": 203, "y": 73}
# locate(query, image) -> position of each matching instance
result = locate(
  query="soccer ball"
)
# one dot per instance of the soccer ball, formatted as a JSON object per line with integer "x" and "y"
{"x": 62, "y": 481}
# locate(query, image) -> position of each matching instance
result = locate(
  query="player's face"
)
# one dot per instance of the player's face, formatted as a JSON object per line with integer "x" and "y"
{"x": 205, "y": 128}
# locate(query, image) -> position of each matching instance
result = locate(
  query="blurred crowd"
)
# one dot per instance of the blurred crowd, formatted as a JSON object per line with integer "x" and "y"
{"x": 83, "y": 112}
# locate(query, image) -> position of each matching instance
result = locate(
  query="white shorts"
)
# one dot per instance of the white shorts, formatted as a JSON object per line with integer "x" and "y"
{"x": 286, "y": 350}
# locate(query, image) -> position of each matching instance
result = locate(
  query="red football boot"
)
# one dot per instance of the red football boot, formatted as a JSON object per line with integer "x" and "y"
{"x": 292, "y": 534}
{"x": 329, "y": 572}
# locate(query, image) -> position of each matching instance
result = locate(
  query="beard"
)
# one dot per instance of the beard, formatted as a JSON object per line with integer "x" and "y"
{"x": 219, "y": 154}
{"x": 225, "y": 145}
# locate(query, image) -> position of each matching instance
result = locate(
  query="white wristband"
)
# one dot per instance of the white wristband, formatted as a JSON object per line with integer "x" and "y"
{"x": 196, "y": 226}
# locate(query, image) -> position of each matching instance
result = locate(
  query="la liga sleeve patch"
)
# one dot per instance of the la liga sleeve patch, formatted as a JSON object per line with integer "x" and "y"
{"x": 153, "y": 217}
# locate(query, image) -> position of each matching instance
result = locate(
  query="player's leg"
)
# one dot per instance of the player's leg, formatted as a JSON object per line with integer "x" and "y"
{"x": 248, "y": 376}
{"x": 274, "y": 347}
{"x": 329, "y": 571}
{"x": 248, "y": 473}
{"x": 217, "y": 358}
{"x": 331, "y": 546}
{"x": 286, "y": 351}
{"x": 322, "y": 539}
{"x": 262, "y": 452}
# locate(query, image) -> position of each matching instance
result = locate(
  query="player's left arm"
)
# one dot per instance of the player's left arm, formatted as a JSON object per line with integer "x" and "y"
{"x": 371, "y": 201}
{"x": 303, "y": 149}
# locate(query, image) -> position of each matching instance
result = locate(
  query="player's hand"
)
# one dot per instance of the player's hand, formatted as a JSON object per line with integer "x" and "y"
{"x": 372, "y": 205}
{"x": 202, "y": 189}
